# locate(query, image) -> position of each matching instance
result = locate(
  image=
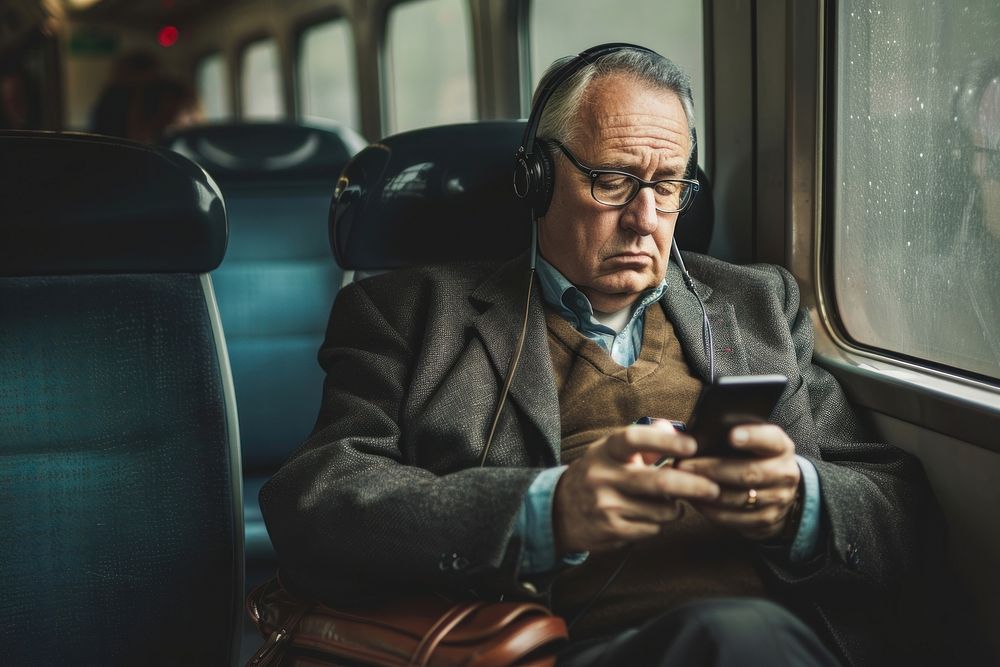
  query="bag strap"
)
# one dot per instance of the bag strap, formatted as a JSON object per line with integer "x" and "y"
{"x": 438, "y": 631}
{"x": 268, "y": 652}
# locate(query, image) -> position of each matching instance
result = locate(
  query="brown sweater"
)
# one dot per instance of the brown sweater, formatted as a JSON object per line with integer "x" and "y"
{"x": 691, "y": 558}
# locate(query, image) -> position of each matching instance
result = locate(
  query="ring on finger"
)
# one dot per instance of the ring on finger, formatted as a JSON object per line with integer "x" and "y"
{"x": 751, "y": 500}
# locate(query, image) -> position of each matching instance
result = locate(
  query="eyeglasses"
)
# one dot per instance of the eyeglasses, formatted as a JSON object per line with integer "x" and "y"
{"x": 617, "y": 188}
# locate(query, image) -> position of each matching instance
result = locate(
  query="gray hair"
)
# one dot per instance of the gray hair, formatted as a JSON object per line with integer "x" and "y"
{"x": 561, "y": 119}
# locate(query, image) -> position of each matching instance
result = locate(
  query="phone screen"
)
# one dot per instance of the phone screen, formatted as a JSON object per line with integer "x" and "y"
{"x": 730, "y": 402}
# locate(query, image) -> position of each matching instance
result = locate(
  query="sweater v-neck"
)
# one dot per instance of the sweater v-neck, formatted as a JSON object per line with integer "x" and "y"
{"x": 654, "y": 337}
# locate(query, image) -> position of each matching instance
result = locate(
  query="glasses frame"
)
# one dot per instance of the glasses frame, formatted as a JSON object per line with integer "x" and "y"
{"x": 593, "y": 174}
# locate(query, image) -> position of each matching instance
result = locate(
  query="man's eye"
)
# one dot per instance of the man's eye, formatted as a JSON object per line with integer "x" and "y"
{"x": 612, "y": 183}
{"x": 668, "y": 189}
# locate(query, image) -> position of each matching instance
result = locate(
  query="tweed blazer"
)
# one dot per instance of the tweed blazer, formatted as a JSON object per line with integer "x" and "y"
{"x": 386, "y": 496}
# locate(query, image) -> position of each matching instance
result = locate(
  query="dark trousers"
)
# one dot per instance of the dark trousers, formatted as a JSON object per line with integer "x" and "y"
{"x": 718, "y": 632}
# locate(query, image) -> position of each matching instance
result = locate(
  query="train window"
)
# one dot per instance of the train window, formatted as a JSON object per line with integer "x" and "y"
{"x": 563, "y": 27}
{"x": 328, "y": 86}
{"x": 260, "y": 81}
{"x": 212, "y": 85}
{"x": 916, "y": 184}
{"x": 429, "y": 86}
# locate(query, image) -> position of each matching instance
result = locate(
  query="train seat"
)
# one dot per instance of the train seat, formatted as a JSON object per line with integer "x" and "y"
{"x": 445, "y": 193}
{"x": 276, "y": 283}
{"x": 120, "y": 495}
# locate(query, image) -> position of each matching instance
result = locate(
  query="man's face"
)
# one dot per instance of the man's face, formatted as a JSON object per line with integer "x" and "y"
{"x": 613, "y": 254}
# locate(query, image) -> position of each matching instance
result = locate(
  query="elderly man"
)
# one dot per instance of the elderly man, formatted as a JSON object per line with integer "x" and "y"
{"x": 387, "y": 494}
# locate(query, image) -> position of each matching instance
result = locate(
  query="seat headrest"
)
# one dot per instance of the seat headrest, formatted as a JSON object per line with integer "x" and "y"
{"x": 431, "y": 195}
{"x": 77, "y": 203}
{"x": 446, "y": 193}
{"x": 282, "y": 151}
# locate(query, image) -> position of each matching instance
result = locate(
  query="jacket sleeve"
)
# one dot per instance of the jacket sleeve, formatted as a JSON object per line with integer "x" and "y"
{"x": 872, "y": 493}
{"x": 351, "y": 514}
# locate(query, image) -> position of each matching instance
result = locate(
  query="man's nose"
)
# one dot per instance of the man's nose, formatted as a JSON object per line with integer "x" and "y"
{"x": 640, "y": 214}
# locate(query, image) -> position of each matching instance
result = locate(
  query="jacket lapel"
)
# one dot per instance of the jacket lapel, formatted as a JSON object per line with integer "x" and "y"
{"x": 500, "y": 302}
{"x": 684, "y": 312}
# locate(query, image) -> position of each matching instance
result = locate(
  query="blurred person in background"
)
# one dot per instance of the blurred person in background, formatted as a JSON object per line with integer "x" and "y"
{"x": 140, "y": 102}
{"x": 19, "y": 99}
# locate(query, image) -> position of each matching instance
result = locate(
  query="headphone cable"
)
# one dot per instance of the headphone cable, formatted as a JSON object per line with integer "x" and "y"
{"x": 518, "y": 347}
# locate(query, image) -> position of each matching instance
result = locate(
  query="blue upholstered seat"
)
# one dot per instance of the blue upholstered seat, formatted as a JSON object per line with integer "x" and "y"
{"x": 276, "y": 284}
{"x": 120, "y": 497}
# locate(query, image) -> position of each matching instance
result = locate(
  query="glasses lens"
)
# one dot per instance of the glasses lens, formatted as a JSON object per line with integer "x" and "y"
{"x": 614, "y": 189}
{"x": 671, "y": 195}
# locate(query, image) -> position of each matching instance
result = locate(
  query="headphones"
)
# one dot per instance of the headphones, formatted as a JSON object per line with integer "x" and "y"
{"x": 534, "y": 172}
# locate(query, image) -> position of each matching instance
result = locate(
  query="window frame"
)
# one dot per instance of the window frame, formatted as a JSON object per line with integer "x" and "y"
{"x": 242, "y": 47}
{"x": 827, "y": 231}
{"x": 299, "y": 29}
{"x": 386, "y": 96}
{"x": 197, "y": 62}
{"x": 926, "y": 394}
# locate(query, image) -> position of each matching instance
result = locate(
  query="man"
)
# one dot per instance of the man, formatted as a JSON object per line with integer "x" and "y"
{"x": 387, "y": 494}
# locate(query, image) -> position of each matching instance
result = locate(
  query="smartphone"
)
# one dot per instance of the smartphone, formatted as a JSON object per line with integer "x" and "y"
{"x": 729, "y": 402}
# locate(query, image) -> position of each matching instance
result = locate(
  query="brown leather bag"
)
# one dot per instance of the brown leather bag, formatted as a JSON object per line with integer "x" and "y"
{"x": 425, "y": 630}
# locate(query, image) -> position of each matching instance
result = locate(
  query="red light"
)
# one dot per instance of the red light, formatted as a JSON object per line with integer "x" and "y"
{"x": 168, "y": 36}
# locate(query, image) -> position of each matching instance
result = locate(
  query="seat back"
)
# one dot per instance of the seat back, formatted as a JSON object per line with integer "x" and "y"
{"x": 120, "y": 495}
{"x": 277, "y": 282}
{"x": 445, "y": 193}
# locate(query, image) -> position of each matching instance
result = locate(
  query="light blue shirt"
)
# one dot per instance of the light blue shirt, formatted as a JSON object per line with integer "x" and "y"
{"x": 575, "y": 307}
{"x": 534, "y": 519}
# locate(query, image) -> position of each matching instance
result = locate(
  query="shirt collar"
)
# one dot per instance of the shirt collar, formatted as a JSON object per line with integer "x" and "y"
{"x": 573, "y": 304}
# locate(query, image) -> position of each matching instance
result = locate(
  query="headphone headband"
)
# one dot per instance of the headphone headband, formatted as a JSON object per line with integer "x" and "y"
{"x": 534, "y": 172}
{"x": 585, "y": 57}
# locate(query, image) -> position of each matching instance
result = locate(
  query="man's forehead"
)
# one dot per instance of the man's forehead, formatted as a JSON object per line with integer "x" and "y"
{"x": 624, "y": 129}
{"x": 616, "y": 141}
{"x": 623, "y": 113}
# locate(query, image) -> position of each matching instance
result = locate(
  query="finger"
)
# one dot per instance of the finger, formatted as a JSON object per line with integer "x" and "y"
{"x": 619, "y": 529}
{"x": 763, "y": 440}
{"x": 739, "y": 498}
{"x": 654, "y": 439}
{"x": 616, "y": 519}
{"x": 667, "y": 483}
{"x": 745, "y": 473}
{"x": 652, "y": 458}
{"x": 641, "y": 510}
{"x": 638, "y": 459}
{"x": 759, "y": 523}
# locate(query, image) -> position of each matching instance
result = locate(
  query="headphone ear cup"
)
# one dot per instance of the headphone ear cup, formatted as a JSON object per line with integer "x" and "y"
{"x": 546, "y": 171}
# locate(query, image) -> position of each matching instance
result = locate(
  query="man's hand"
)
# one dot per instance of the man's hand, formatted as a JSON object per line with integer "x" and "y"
{"x": 772, "y": 474}
{"x": 612, "y": 495}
